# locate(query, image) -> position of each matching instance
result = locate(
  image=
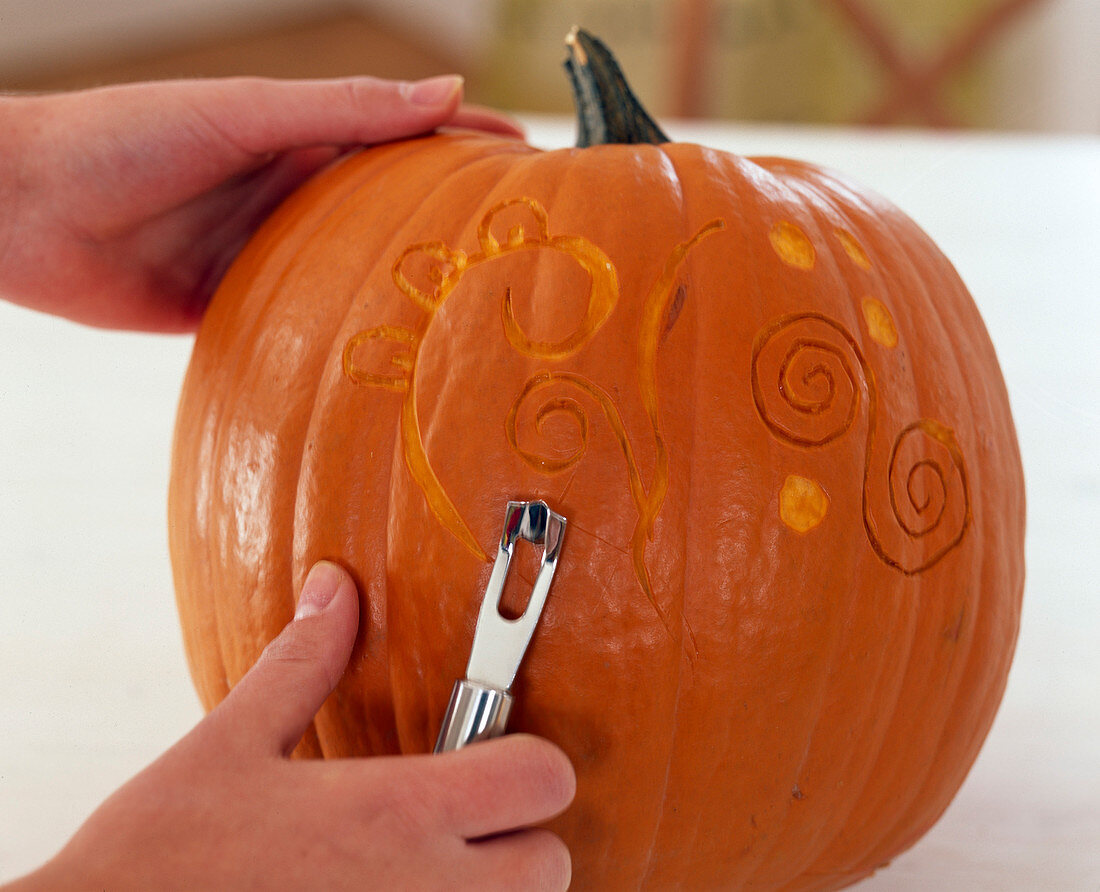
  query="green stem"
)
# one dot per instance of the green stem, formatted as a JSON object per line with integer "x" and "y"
{"x": 608, "y": 112}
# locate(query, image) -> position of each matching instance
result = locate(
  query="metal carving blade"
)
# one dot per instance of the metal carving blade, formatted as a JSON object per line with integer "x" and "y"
{"x": 480, "y": 703}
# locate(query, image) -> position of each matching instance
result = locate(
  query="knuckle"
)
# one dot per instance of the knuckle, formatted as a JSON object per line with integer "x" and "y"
{"x": 409, "y": 807}
{"x": 207, "y": 125}
{"x": 360, "y": 92}
{"x": 289, "y": 652}
{"x": 549, "y": 773}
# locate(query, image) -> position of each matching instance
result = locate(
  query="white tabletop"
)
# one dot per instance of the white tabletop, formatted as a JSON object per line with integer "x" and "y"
{"x": 93, "y": 682}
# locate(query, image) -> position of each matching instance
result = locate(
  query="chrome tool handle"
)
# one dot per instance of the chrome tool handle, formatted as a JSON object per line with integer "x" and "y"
{"x": 474, "y": 713}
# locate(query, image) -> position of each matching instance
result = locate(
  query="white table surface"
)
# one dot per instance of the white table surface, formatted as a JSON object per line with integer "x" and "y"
{"x": 93, "y": 682}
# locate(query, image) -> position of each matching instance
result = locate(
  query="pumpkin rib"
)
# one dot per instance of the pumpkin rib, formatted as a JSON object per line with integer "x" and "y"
{"x": 946, "y": 334}
{"x": 673, "y": 182}
{"x": 745, "y": 192}
{"x": 914, "y": 278}
{"x": 812, "y": 210}
{"x": 316, "y": 741}
{"x": 739, "y": 176}
{"x": 829, "y": 204}
{"x": 224, "y": 627}
{"x": 207, "y": 471}
{"x": 794, "y": 177}
{"x": 993, "y": 393}
{"x": 227, "y": 627}
{"x": 676, "y": 182}
{"x": 519, "y": 165}
{"x": 914, "y": 820}
{"x": 440, "y": 181}
{"x": 746, "y": 174}
{"x": 825, "y": 199}
{"x": 299, "y": 556}
{"x": 310, "y": 744}
{"x": 699, "y": 167}
{"x": 309, "y": 236}
{"x": 745, "y": 177}
{"x": 443, "y": 184}
{"x": 636, "y": 295}
{"x": 889, "y": 710}
{"x": 816, "y": 210}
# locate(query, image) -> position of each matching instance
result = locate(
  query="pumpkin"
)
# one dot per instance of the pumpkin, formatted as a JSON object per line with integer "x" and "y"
{"x": 790, "y": 588}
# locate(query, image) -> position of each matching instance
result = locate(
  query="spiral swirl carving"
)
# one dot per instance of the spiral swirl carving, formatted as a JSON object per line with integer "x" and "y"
{"x": 804, "y": 383}
{"x": 527, "y": 400}
{"x": 810, "y": 382}
{"x": 543, "y": 397}
{"x": 553, "y": 406}
{"x": 929, "y": 491}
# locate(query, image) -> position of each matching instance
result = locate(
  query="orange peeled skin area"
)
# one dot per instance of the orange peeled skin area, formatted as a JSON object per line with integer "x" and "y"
{"x": 790, "y": 587}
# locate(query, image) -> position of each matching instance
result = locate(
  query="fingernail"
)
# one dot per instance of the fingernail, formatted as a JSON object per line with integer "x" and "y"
{"x": 319, "y": 588}
{"x": 434, "y": 90}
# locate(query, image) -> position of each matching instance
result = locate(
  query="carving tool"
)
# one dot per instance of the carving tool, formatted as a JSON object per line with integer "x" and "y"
{"x": 480, "y": 702}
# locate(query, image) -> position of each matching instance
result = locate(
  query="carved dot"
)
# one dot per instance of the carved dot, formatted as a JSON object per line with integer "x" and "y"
{"x": 880, "y": 324}
{"x": 802, "y": 503}
{"x": 853, "y": 248}
{"x": 792, "y": 245}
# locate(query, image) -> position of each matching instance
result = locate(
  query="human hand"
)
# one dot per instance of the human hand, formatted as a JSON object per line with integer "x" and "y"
{"x": 226, "y": 808}
{"x": 122, "y": 207}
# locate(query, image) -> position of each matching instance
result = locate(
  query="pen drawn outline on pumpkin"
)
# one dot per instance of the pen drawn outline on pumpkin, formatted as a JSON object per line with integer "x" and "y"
{"x": 799, "y": 405}
{"x": 451, "y": 265}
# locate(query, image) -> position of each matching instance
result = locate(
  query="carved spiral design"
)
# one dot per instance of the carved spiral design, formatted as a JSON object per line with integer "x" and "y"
{"x": 558, "y": 405}
{"x": 929, "y": 494}
{"x": 555, "y": 406}
{"x": 648, "y": 500}
{"x": 928, "y": 505}
{"x": 809, "y": 381}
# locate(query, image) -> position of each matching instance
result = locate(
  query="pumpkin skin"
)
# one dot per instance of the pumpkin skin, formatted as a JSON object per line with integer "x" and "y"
{"x": 790, "y": 587}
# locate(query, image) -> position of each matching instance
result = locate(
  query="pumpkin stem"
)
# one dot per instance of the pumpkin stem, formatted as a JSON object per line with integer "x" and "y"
{"x": 607, "y": 110}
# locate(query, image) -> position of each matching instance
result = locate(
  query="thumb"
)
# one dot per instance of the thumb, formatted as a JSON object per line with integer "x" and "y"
{"x": 271, "y": 707}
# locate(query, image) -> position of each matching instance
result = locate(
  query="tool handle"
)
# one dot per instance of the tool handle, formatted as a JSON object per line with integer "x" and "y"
{"x": 476, "y": 712}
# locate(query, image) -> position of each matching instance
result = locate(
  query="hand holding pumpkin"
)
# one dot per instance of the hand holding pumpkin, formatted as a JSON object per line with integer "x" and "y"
{"x": 121, "y": 207}
{"x": 226, "y": 808}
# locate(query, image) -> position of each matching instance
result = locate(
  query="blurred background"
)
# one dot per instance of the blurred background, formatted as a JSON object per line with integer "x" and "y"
{"x": 992, "y": 64}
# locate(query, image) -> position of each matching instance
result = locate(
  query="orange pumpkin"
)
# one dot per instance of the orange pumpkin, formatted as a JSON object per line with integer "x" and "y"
{"x": 790, "y": 589}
